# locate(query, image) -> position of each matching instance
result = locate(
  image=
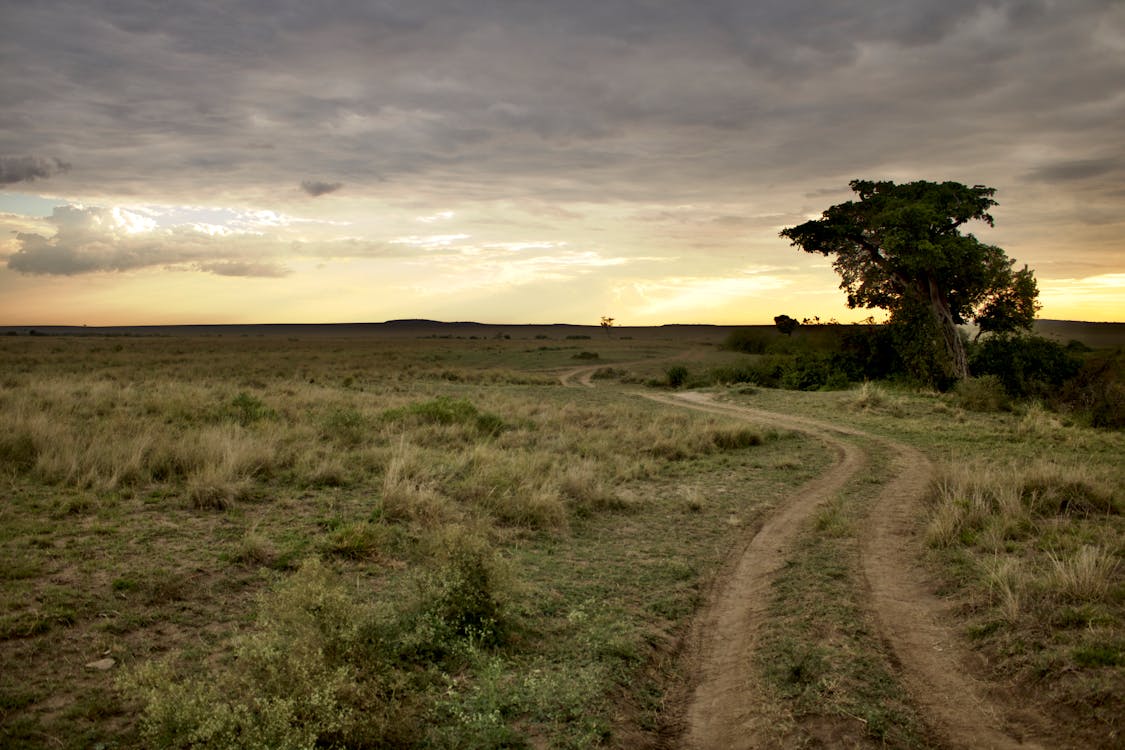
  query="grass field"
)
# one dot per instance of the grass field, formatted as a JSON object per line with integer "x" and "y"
{"x": 445, "y": 547}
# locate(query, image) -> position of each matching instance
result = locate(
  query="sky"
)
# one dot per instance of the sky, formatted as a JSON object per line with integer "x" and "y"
{"x": 513, "y": 161}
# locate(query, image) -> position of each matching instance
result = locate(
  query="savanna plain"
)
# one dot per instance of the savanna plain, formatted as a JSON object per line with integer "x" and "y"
{"x": 497, "y": 537}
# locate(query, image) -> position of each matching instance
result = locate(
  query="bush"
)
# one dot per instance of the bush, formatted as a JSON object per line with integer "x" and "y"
{"x": 985, "y": 394}
{"x": 749, "y": 340}
{"x": 246, "y": 410}
{"x": 346, "y": 425}
{"x": 1026, "y": 366}
{"x": 676, "y": 376}
{"x": 462, "y": 602}
{"x": 308, "y": 676}
{"x": 1097, "y": 391}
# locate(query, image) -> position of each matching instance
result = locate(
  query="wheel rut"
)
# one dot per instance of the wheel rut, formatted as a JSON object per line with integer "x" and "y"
{"x": 725, "y": 708}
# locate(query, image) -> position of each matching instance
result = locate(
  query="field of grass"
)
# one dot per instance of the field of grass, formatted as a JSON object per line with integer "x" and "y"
{"x": 442, "y": 545}
{"x": 447, "y": 548}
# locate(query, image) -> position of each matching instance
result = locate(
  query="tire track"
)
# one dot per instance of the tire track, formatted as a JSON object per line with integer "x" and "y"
{"x": 724, "y": 710}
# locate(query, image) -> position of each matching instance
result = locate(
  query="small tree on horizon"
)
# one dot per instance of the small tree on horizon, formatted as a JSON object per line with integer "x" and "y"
{"x": 786, "y": 325}
{"x": 607, "y": 324}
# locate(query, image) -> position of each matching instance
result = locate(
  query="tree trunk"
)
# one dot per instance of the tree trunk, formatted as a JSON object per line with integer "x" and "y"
{"x": 954, "y": 347}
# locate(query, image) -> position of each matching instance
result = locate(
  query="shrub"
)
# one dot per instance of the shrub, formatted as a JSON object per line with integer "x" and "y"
{"x": 676, "y": 376}
{"x": 307, "y": 676}
{"x": 246, "y": 409}
{"x": 985, "y": 393}
{"x": 749, "y": 340}
{"x": 586, "y": 355}
{"x": 18, "y": 451}
{"x": 361, "y": 540}
{"x": 1024, "y": 365}
{"x": 736, "y": 438}
{"x": 1097, "y": 391}
{"x": 462, "y": 600}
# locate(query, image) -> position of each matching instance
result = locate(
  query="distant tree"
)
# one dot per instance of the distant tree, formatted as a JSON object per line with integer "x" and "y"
{"x": 785, "y": 324}
{"x": 900, "y": 248}
{"x": 607, "y": 324}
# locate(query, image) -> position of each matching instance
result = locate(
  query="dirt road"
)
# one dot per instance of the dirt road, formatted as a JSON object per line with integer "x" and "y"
{"x": 961, "y": 711}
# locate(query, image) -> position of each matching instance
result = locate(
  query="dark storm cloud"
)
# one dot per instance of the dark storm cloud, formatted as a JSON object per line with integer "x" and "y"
{"x": 584, "y": 100}
{"x": 15, "y": 169}
{"x": 316, "y": 188}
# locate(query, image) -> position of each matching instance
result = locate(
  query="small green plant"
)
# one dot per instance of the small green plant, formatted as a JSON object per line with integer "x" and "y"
{"x": 446, "y": 411}
{"x": 246, "y": 409}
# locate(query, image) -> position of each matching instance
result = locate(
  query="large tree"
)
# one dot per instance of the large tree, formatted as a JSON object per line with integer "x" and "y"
{"x": 900, "y": 248}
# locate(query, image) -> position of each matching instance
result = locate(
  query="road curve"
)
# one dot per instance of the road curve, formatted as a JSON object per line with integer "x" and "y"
{"x": 961, "y": 711}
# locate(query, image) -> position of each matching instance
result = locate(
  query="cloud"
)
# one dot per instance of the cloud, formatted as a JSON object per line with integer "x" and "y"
{"x": 242, "y": 268}
{"x": 89, "y": 239}
{"x": 1076, "y": 170}
{"x": 316, "y": 188}
{"x": 601, "y": 119}
{"x": 15, "y": 169}
{"x": 555, "y": 101}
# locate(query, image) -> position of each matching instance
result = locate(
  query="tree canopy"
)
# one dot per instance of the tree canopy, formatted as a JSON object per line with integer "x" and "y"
{"x": 785, "y": 324}
{"x": 900, "y": 248}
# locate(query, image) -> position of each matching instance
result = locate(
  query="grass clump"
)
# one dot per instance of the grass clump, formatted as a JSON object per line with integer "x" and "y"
{"x": 445, "y": 410}
{"x": 985, "y": 394}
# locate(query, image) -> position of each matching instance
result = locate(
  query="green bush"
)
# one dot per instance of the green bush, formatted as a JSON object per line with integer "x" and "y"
{"x": 1027, "y": 366}
{"x": 18, "y": 451}
{"x": 462, "y": 600}
{"x": 676, "y": 376}
{"x": 246, "y": 410}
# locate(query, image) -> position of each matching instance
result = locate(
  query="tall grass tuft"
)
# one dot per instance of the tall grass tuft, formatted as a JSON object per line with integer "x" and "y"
{"x": 1088, "y": 575}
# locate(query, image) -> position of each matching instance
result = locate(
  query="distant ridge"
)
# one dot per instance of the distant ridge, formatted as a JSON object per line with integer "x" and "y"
{"x": 1096, "y": 335}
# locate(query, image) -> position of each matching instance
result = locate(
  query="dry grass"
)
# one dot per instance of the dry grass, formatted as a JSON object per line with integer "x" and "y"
{"x": 158, "y": 489}
{"x": 1036, "y": 549}
{"x": 1087, "y": 575}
